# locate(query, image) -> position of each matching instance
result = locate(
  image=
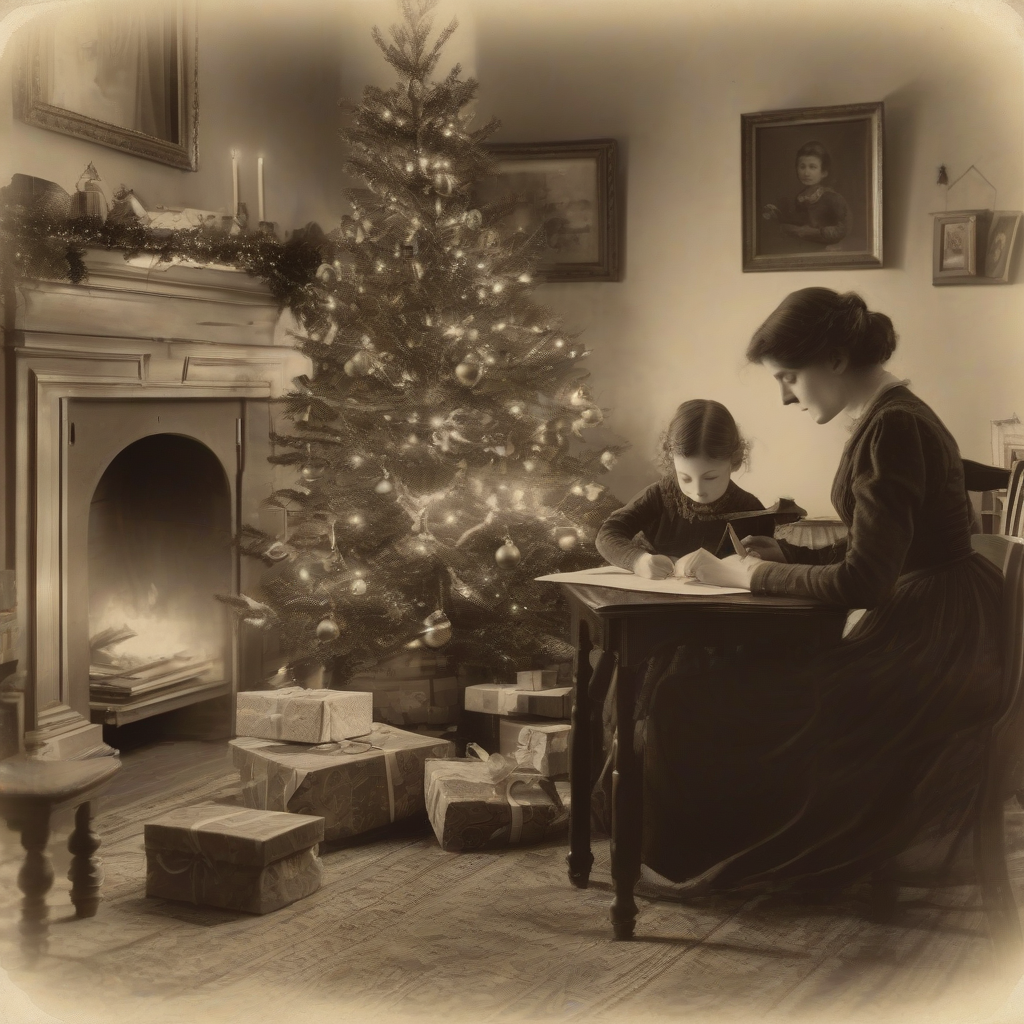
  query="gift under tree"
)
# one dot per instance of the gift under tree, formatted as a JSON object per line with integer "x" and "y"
{"x": 440, "y": 440}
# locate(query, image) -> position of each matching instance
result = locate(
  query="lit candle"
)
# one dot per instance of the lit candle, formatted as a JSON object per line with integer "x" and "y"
{"x": 259, "y": 185}
{"x": 234, "y": 184}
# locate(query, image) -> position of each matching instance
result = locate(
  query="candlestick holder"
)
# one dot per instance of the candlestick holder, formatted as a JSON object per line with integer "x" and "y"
{"x": 269, "y": 227}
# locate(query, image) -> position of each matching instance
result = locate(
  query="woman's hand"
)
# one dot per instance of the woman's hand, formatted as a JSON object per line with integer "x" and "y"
{"x": 654, "y": 567}
{"x": 763, "y": 547}
{"x": 729, "y": 572}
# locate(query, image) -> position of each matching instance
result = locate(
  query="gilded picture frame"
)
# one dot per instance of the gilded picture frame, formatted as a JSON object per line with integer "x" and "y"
{"x": 829, "y": 220}
{"x": 120, "y": 75}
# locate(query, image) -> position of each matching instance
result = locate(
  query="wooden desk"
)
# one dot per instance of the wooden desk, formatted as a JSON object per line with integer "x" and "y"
{"x": 628, "y": 627}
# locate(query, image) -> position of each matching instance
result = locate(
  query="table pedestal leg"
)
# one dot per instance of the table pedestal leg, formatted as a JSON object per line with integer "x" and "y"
{"x": 34, "y": 880}
{"x": 627, "y": 809}
{"x": 85, "y": 872}
{"x": 580, "y": 859}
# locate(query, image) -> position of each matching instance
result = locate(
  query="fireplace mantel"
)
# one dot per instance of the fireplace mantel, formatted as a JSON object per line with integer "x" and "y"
{"x": 133, "y": 330}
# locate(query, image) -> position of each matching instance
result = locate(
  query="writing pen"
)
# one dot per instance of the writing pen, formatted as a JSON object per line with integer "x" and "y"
{"x": 736, "y": 545}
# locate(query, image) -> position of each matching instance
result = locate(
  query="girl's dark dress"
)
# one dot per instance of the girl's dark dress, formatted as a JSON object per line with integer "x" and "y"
{"x": 805, "y": 774}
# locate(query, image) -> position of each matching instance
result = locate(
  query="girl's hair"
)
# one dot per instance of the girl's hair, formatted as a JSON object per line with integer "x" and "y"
{"x": 813, "y": 325}
{"x": 702, "y": 428}
{"x": 818, "y": 150}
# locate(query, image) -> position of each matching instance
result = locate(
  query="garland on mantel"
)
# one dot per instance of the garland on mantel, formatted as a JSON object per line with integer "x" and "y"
{"x": 33, "y": 246}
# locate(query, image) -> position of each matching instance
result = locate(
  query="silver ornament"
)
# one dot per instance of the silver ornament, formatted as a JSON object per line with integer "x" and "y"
{"x": 327, "y": 630}
{"x": 312, "y": 471}
{"x": 579, "y": 398}
{"x": 608, "y": 459}
{"x": 384, "y": 486}
{"x": 358, "y": 587}
{"x": 508, "y": 555}
{"x": 439, "y": 629}
{"x": 592, "y": 416}
{"x": 468, "y": 373}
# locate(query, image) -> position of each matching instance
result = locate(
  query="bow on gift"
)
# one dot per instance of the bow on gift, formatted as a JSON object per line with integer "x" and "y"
{"x": 196, "y": 860}
{"x": 515, "y": 777}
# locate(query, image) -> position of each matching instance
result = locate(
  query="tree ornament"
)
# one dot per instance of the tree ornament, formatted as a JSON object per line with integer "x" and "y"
{"x": 359, "y": 365}
{"x": 384, "y": 486}
{"x": 568, "y": 540}
{"x": 473, "y": 219}
{"x": 468, "y": 372}
{"x": 579, "y": 398}
{"x": 277, "y": 551}
{"x": 312, "y": 471}
{"x": 508, "y": 555}
{"x": 358, "y": 587}
{"x": 608, "y": 459}
{"x": 326, "y": 273}
{"x": 327, "y": 629}
{"x": 439, "y": 629}
{"x": 592, "y": 416}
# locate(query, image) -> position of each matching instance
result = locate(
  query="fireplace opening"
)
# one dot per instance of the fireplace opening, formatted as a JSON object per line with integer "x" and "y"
{"x": 159, "y": 550}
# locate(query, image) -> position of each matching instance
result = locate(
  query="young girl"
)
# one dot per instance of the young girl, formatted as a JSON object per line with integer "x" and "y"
{"x": 690, "y": 506}
{"x": 818, "y": 213}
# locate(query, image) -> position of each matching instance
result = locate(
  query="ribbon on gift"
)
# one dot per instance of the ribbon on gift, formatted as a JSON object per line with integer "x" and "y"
{"x": 505, "y": 775}
{"x": 535, "y": 744}
{"x": 196, "y": 858}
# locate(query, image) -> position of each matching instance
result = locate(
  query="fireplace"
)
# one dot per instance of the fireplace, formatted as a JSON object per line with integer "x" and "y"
{"x": 138, "y": 416}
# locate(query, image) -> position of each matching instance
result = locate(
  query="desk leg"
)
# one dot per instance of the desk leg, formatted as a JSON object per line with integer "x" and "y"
{"x": 85, "y": 872}
{"x": 580, "y": 859}
{"x": 34, "y": 880}
{"x": 627, "y": 808}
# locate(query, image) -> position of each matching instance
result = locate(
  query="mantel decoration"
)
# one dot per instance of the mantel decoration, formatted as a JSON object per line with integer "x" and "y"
{"x": 446, "y": 446}
{"x": 146, "y": 56}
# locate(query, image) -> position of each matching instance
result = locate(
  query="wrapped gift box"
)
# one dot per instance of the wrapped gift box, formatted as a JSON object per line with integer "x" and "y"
{"x": 238, "y": 859}
{"x": 538, "y": 745}
{"x": 537, "y": 679}
{"x": 508, "y": 699}
{"x": 414, "y": 701}
{"x": 355, "y": 785}
{"x": 478, "y": 804}
{"x": 303, "y": 716}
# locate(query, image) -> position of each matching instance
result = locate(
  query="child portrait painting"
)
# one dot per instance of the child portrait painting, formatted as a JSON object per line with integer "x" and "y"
{"x": 812, "y": 188}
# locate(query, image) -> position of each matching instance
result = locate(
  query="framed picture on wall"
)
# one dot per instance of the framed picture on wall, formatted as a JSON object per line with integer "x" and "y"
{"x": 120, "y": 74}
{"x": 568, "y": 193}
{"x": 812, "y": 187}
{"x": 1001, "y": 246}
{"x": 958, "y": 240}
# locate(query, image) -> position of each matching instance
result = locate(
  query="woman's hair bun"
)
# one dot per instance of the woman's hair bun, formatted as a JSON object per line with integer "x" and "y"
{"x": 814, "y": 324}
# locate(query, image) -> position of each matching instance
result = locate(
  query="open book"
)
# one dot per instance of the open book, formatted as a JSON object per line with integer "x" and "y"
{"x": 683, "y": 581}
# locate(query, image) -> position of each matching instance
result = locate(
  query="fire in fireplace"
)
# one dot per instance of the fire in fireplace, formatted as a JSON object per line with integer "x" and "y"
{"x": 159, "y": 550}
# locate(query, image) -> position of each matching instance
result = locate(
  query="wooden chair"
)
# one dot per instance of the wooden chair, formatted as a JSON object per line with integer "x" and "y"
{"x": 1005, "y": 754}
{"x": 1013, "y": 511}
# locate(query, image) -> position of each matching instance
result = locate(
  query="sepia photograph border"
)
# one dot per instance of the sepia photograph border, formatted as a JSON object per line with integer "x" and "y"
{"x": 30, "y": 106}
{"x": 605, "y": 155}
{"x": 751, "y": 125}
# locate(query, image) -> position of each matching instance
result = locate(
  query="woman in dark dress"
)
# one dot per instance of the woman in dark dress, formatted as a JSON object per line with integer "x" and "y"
{"x": 818, "y": 775}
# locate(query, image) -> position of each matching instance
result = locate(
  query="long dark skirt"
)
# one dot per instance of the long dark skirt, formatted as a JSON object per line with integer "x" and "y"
{"x": 773, "y": 774}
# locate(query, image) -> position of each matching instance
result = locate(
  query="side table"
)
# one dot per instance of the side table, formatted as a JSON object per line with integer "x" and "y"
{"x": 30, "y": 791}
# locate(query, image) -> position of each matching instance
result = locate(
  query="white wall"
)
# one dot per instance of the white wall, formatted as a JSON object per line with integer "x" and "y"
{"x": 669, "y": 80}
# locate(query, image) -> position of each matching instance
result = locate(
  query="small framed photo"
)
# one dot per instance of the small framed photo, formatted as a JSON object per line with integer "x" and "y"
{"x": 1001, "y": 246}
{"x": 957, "y": 240}
{"x": 568, "y": 192}
{"x": 812, "y": 188}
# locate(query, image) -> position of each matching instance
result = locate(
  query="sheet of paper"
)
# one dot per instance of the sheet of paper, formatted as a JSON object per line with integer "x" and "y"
{"x": 623, "y": 579}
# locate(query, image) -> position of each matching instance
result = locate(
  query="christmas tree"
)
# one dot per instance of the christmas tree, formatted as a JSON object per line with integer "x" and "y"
{"x": 440, "y": 436}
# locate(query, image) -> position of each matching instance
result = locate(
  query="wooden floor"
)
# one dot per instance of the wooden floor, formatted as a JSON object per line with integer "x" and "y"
{"x": 403, "y": 931}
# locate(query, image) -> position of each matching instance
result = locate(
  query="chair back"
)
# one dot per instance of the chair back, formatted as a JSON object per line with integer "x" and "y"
{"x": 1013, "y": 511}
{"x": 1007, "y": 753}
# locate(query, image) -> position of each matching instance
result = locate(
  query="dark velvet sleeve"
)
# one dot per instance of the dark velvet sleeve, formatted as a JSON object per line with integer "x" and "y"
{"x": 836, "y": 231}
{"x": 888, "y": 483}
{"x": 797, "y": 554}
{"x": 615, "y": 540}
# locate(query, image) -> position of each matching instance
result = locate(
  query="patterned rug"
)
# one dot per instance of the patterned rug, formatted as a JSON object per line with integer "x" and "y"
{"x": 402, "y": 931}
